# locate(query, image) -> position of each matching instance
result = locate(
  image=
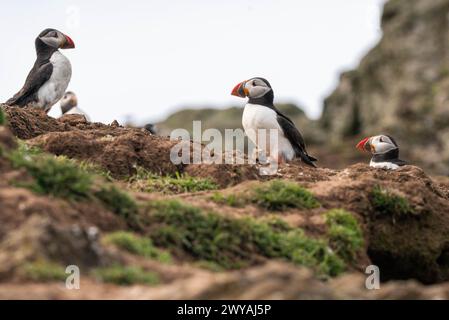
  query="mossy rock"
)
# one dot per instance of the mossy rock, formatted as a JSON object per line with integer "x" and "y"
{"x": 137, "y": 245}
{"x": 234, "y": 243}
{"x": 125, "y": 275}
{"x": 279, "y": 195}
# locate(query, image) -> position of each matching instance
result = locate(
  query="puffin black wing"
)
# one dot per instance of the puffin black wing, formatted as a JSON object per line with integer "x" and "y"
{"x": 295, "y": 138}
{"x": 36, "y": 78}
{"x": 399, "y": 162}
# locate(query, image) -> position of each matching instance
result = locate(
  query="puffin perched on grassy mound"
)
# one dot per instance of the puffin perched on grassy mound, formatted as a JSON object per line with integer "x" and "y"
{"x": 385, "y": 152}
{"x": 260, "y": 113}
{"x": 50, "y": 76}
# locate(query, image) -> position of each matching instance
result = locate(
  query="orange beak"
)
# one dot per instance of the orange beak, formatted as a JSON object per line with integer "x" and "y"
{"x": 364, "y": 145}
{"x": 69, "y": 44}
{"x": 240, "y": 91}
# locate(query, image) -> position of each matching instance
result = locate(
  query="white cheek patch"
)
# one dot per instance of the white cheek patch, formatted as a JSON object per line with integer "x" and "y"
{"x": 383, "y": 147}
{"x": 258, "y": 91}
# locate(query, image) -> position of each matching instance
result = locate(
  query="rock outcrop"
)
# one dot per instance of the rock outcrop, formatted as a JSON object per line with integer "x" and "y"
{"x": 401, "y": 87}
{"x": 58, "y": 211}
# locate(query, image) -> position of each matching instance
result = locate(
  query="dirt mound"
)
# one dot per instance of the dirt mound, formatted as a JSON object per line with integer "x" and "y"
{"x": 405, "y": 243}
{"x": 402, "y": 217}
{"x": 271, "y": 281}
{"x": 119, "y": 151}
{"x": 116, "y": 149}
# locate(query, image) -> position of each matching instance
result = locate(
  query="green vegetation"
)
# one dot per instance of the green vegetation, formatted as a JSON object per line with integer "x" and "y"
{"x": 149, "y": 182}
{"x": 95, "y": 169}
{"x": 44, "y": 271}
{"x": 122, "y": 275}
{"x": 57, "y": 176}
{"x": 119, "y": 202}
{"x": 387, "y": 203}
{"x": 2, "y": 117}
{"x": 137, "y": 245}
{"x": 279, "y": 195}
{"x": 69, "y": 179}
{"x": 209, "y": 265}
{"x": 344, "y": 233}
{"x": 230, "y": 200}
{"x": 234, "y": 243}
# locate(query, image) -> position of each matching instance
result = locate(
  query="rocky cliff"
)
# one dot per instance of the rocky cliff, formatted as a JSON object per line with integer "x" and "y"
{"x": 107, "y": 199}
{"x": 401, "y": 87}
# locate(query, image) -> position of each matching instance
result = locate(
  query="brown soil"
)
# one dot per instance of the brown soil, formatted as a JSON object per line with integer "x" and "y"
{"x": 38, "y": 227}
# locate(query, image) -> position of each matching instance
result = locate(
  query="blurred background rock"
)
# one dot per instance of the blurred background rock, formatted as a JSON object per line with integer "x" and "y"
{"x": 401, "y": 88}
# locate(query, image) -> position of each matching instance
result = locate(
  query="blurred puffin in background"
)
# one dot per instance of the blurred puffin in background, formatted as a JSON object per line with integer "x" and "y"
{"x": 385, "y": 152}
{"x": 69, "y": 105}
{"x": 50, "y": 76}
{"x": 260, "y": 113}
{"x": 151, "y": 128}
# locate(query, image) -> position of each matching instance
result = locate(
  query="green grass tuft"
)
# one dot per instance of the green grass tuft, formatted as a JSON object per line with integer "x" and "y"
{"x": 230, "y": 200}
{"x": 345, "y": 234}
{"x": 126, "y": 276}
{"x": 234, "y": 243}
{"x": 279, "y": 195}
{"x": 209, "y": 265}
{"x": 44, "y": 271}
{"x": 57, "y": 176}
{"x": 96, "y": 169}
{"x": 387, "y": 203}
{"x": 119, "y": 202}
{"x": 149, "y": 182}
{"x": 138, "y": 245}
{"x": 2, "y": 117}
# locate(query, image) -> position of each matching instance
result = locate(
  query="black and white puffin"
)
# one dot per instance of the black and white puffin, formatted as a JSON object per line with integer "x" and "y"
{"x": 260, "y": 113}
{"x": 385, "y": 152}
{"x": 151, "y": 128}
{"x": 69, "y": 105}
{"x": 50, "y": 75}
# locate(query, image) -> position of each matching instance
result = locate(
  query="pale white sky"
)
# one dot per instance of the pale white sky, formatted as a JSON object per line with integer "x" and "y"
{"x": 149, "y": 58}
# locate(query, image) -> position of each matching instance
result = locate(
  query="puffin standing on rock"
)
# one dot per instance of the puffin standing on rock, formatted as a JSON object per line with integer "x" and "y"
{"x": 385, "y": 152}
{"x": 50, "y": 75}
{"x": 260, "y": 113}
{"x": 69, "y": 105}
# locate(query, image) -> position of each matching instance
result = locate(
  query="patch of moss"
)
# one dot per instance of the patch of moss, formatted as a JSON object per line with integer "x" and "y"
{"x": 345, "y": 234}
{"x": 138, "y": 245}
{"x": 126, "y": 276}
{"x": 57, "y": 176}
{"x": 230, "y": 200}
{"x": 233, "y": 243}
{"x": 387, "y": 203}
{"x": 279, "y": 195}
{"x": 44, "y": 271}
{"x": 119, "y": 202}
{"x": 209, "y": 265}
{"x": 149, "y": 182}
{"x": 2, "y": 117}
{"x": 96, "y": 170}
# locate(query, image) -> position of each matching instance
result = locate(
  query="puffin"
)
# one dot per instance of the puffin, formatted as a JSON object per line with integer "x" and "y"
{"x": 260, "y": 113}
{"x": 385, "y": 152}
{"x": 50, "y": 76}
{"x": 151, "y": 128}
{"x": 69, "y": 105}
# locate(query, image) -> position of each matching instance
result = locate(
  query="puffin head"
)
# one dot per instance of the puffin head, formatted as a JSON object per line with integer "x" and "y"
{"x": 56, "y": 39}
{"x": 68, "y": 101}
{"x": 378, "y": 144}
{"x": 253, "y": 88}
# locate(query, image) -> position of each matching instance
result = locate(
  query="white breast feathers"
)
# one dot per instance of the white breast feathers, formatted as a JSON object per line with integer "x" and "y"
{"x": 53, "y": 90}
{"x": 384, "y": 165}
